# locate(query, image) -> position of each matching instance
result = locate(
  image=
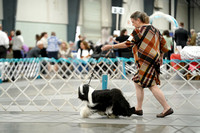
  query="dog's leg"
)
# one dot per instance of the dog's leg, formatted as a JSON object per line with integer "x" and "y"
{"x": 86, "y": 112}
{"x": 131, "y": 111}
{"x": 101, "y": 113}
{"x": 112, "y": 116}
{"x": 109, "y": 113}
{"x": 109, "y": 110}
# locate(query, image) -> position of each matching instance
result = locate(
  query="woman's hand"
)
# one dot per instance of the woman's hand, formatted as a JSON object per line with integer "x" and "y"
{"x": 106, "y": 47}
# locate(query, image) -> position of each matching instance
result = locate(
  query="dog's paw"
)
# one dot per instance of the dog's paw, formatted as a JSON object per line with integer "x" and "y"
{"x": 85, "y": 112}
{"x": 112, "y": 116}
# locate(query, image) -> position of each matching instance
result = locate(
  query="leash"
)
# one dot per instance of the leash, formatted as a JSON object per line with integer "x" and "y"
{"x": 107, "y": 54}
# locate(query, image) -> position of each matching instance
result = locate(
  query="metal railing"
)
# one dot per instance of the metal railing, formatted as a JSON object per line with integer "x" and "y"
{"x": 42, "y": 84}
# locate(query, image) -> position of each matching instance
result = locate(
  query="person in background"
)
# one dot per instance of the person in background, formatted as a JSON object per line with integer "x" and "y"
{"x": 78, "y": 45}
{"x": 36, "y": 51}
{"x": 181, "y": 36}
{"x": 52, "y": 51}
{"x": 37, "y": 38}
{"x": 64, "y": 51}
{"x": 78, "y": 42}
{"x": 25, "y": 50}
{"x": 17, "y": 43}
{"x": 43, "y": 38}
{"x": 169, "y": 43}
{"x": 4, "y": 43}
{"x": 53, "y": 46}
{"x": 91, "y": 45}
{"x": 72, "y": 46}
{"x": 198, "y": 39}
{"x": 12, "y": 34}
{"x": 126, "y": 52}
{"x": 84, "y": 52}
{"x": 192, "y": 40}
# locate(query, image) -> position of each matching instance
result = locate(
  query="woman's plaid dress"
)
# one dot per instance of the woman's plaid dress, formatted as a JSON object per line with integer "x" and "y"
{"x": 147, "y": 44}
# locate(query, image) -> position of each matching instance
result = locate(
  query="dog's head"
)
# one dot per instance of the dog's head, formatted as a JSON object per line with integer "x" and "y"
{"x": 83, "y": 92}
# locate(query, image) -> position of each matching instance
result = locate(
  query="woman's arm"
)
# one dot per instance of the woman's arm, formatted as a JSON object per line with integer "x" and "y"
{"x": 117, "y": 46}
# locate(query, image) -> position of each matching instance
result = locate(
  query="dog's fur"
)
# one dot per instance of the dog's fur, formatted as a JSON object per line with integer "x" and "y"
{"x": 111, "y": 103}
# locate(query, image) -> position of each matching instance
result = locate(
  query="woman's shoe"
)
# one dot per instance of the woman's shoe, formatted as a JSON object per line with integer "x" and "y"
{"x": 138, "y": 112}
{"x": 168, "y": 112}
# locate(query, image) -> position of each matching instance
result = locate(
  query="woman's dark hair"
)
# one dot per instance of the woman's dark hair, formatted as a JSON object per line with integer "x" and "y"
{"x": 85, "y": 44}
{"x": 141, "y": 15}
{"x": 42, "y": 34}
{"x": 166, "y": 33}
{"x": 37, "y": 37}
{"x": 18, "y": 32}
{"x": 122, "y": 32}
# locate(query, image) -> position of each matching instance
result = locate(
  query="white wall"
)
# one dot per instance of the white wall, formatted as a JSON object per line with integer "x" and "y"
{"x": 30, "y": 29}
{"x": 90, "y": 19}
{"x": 161, "y": 23}
{"x": 95, "y": 19}
{"x": 1, "y": 11}
{"x": 130, "y": 6}
{"x": 106, "y": 20}
{"x": 197, "y": 19}
{"x": 49, "y": 11}
{"x": 106, "y": 15}
{"x": 182, "y": 13}
{"x": 34, "y": 17}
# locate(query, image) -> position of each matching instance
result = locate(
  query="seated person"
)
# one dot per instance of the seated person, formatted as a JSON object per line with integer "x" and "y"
{"x": 35, "y": 52}
{"x": 84, "y": 52}
{"x": 64, "y": 51}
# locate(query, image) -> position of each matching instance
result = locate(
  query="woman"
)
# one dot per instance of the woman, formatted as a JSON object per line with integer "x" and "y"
{"x": 169, "y": 43}
{"x": 148, "y": 47}
{"x": 84, "y": 52}
{"x": 17, "y": 43}
{"x": 43, "y": 38}
{"x": 64, "y": 51}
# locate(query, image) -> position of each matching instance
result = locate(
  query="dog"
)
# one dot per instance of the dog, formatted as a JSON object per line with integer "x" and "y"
{"x": 110, "y": 103}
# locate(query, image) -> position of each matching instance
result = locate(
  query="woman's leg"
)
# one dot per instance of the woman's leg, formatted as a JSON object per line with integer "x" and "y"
{"x": 158, "y": 94}
{"x": 140, "y": 96}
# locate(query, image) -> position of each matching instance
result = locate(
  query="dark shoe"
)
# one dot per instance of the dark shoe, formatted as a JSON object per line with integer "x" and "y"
{"x": 138, "y": 112}
{"x": 168, "y": 112}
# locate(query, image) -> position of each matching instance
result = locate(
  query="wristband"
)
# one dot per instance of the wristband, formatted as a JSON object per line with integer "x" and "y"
{"x": 112, "y": 46}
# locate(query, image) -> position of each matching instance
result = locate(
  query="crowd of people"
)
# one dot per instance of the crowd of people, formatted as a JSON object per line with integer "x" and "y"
{"x": 13, "y": 46}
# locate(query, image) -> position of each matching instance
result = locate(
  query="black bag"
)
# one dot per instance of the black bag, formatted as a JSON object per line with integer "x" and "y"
{"x": 106, "y": 54}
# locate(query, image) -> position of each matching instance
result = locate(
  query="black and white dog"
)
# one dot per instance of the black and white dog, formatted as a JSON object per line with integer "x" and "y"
{"x": 111, "y": 103}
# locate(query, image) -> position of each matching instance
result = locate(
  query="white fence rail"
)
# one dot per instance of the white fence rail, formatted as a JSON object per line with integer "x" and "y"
{"x": 42, "y": 84}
